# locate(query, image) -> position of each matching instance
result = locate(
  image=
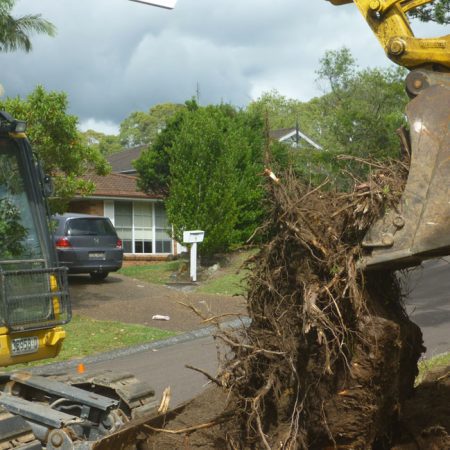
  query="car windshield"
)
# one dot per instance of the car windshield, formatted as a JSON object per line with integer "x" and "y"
{"x": 90, "y": 227}
{"x": 18, "y": 231}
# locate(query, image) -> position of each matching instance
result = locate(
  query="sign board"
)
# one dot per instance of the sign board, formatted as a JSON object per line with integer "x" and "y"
{"x": 169, "y": 4}
{"x": 193, "y": 236}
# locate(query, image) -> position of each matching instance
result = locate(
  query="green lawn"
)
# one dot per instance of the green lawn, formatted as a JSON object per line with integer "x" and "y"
{"x": 87, "y": 336}
{"x": 228, "y": 280}
{"x": 227, "y": 284}
{"x": 157, "y": 273}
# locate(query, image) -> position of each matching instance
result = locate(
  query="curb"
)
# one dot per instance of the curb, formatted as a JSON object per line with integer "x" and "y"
{"x": 64, "y": 366}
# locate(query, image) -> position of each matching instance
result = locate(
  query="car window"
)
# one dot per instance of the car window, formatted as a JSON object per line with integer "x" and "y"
{"x": 90, "y": 227}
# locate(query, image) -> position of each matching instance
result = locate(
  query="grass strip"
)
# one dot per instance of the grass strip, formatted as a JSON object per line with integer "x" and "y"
{"x": 86, "y": 336}
{"x": 156, "y": 273}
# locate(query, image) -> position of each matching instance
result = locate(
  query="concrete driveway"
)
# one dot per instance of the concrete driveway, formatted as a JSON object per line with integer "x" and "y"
{"x": 128, "y": 300}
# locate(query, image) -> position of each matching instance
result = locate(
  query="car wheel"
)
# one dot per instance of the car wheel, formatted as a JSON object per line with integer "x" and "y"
{"x": 98, "y": 276}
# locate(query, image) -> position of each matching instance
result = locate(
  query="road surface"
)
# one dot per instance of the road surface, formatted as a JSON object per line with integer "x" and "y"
{"x": 428, "y": 304}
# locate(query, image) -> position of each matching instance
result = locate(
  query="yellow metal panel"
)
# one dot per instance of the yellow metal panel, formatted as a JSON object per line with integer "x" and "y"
{"x": 18, "y": 135}
{"x": 389, "y": 22}
{"x": 49, "y": 345}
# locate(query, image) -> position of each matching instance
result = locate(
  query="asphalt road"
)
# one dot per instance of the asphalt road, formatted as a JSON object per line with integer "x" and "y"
{"x": 163, "y": 364}
{"x": 428, "y": 304}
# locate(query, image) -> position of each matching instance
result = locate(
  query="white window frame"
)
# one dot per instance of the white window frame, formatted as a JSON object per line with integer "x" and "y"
{"x": 109, "y": 211}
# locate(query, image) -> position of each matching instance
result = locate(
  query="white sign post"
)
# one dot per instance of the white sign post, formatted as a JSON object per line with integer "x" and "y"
{"x": 193, "y": 237}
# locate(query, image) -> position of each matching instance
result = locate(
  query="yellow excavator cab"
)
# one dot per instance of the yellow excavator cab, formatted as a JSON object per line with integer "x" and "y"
{"x": 34, "y": 299}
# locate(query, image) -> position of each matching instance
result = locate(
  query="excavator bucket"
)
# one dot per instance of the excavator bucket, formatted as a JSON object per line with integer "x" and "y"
{"x": 419, "y": 228}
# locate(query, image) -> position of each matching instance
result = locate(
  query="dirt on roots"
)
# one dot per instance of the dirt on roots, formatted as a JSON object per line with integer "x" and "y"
{"x": 330, "y": 358}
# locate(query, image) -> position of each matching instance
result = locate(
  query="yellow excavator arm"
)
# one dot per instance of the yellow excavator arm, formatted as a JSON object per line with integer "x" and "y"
{"x": 419, "y": 228}
{"x": 389, "y": 22}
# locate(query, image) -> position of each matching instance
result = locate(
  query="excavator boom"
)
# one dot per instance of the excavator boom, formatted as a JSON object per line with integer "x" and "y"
{"x": 389, "y": 22}
{"x": 419, "y": 228}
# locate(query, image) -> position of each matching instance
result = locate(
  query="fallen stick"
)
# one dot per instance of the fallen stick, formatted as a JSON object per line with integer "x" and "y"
{"x": 224, "y": 418}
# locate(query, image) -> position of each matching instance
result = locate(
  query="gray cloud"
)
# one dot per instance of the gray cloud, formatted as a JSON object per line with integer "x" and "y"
{"x": 113, "y": 57}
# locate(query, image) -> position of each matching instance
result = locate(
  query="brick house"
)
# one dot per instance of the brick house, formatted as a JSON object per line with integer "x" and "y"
{"x": 139, "y": 218}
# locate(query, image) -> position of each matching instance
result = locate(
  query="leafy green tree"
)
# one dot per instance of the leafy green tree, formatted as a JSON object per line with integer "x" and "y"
{"x": 153, "y": 165}
{"x": 141, "y": 128}
{"x": 358, "y": 114}
{"x": 438, "y": 11}
{"x": 364, "y": 108}
{"x": 211, "y": 161}
{"x": 107, "y": 144}
{"x": 281, "y": 112}
{"x": 61, "y": 148}
{"x": 15, "y": 31}
{"x": 200, "y": 196}
{"x": 338, "y": 68}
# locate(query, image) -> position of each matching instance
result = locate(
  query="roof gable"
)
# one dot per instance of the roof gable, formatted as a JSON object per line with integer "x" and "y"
{"x": 293, "y": 136}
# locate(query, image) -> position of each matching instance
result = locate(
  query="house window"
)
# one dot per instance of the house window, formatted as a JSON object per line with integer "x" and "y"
{"x": 143, "y": 229}
{"x": 123, "y": 222}
{"x": 142, "y": 226}
{"x": 162, "y": 239}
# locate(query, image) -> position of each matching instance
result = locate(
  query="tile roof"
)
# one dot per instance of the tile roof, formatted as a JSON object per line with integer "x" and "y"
{"x": 118, "y": 185}
{"x": 122, "y": 161}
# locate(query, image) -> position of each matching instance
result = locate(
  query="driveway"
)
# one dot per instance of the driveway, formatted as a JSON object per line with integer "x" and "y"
{"x": 128, "y": 300}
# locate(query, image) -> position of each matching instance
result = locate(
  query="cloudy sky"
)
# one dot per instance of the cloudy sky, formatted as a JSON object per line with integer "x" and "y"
{"x": 113, "y": 57}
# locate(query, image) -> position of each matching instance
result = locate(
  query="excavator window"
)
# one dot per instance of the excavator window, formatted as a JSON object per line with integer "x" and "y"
{"x": 18, "y": 234}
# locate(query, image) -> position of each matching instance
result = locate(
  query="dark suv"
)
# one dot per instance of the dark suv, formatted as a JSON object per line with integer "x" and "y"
{"x": 87, "y": 244}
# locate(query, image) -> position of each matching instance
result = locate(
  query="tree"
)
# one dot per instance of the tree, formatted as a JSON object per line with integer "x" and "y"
{"x": 210, "y": 159}
{"x": 281, "y": 112}
{"x": 57, "y": 142}
{"x": 107, "y": 144}
{"x": 438, "y": 12}
{"x": 12, "y": 232}
{"x": 153, "y": 164}
{"x": 364, "y": 108}
{"x": 15, "y": 32}
{"x": 141, "y": 128}
{"x": 358, "y": 114}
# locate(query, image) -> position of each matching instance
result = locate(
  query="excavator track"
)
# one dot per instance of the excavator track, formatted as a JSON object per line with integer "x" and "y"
{"x": 69, "y": 412}
{"x": 16, "y": 433}
{"x": 137, "y": 398}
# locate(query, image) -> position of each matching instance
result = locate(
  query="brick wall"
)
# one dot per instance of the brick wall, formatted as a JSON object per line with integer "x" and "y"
{"x": 94, "y": 207}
